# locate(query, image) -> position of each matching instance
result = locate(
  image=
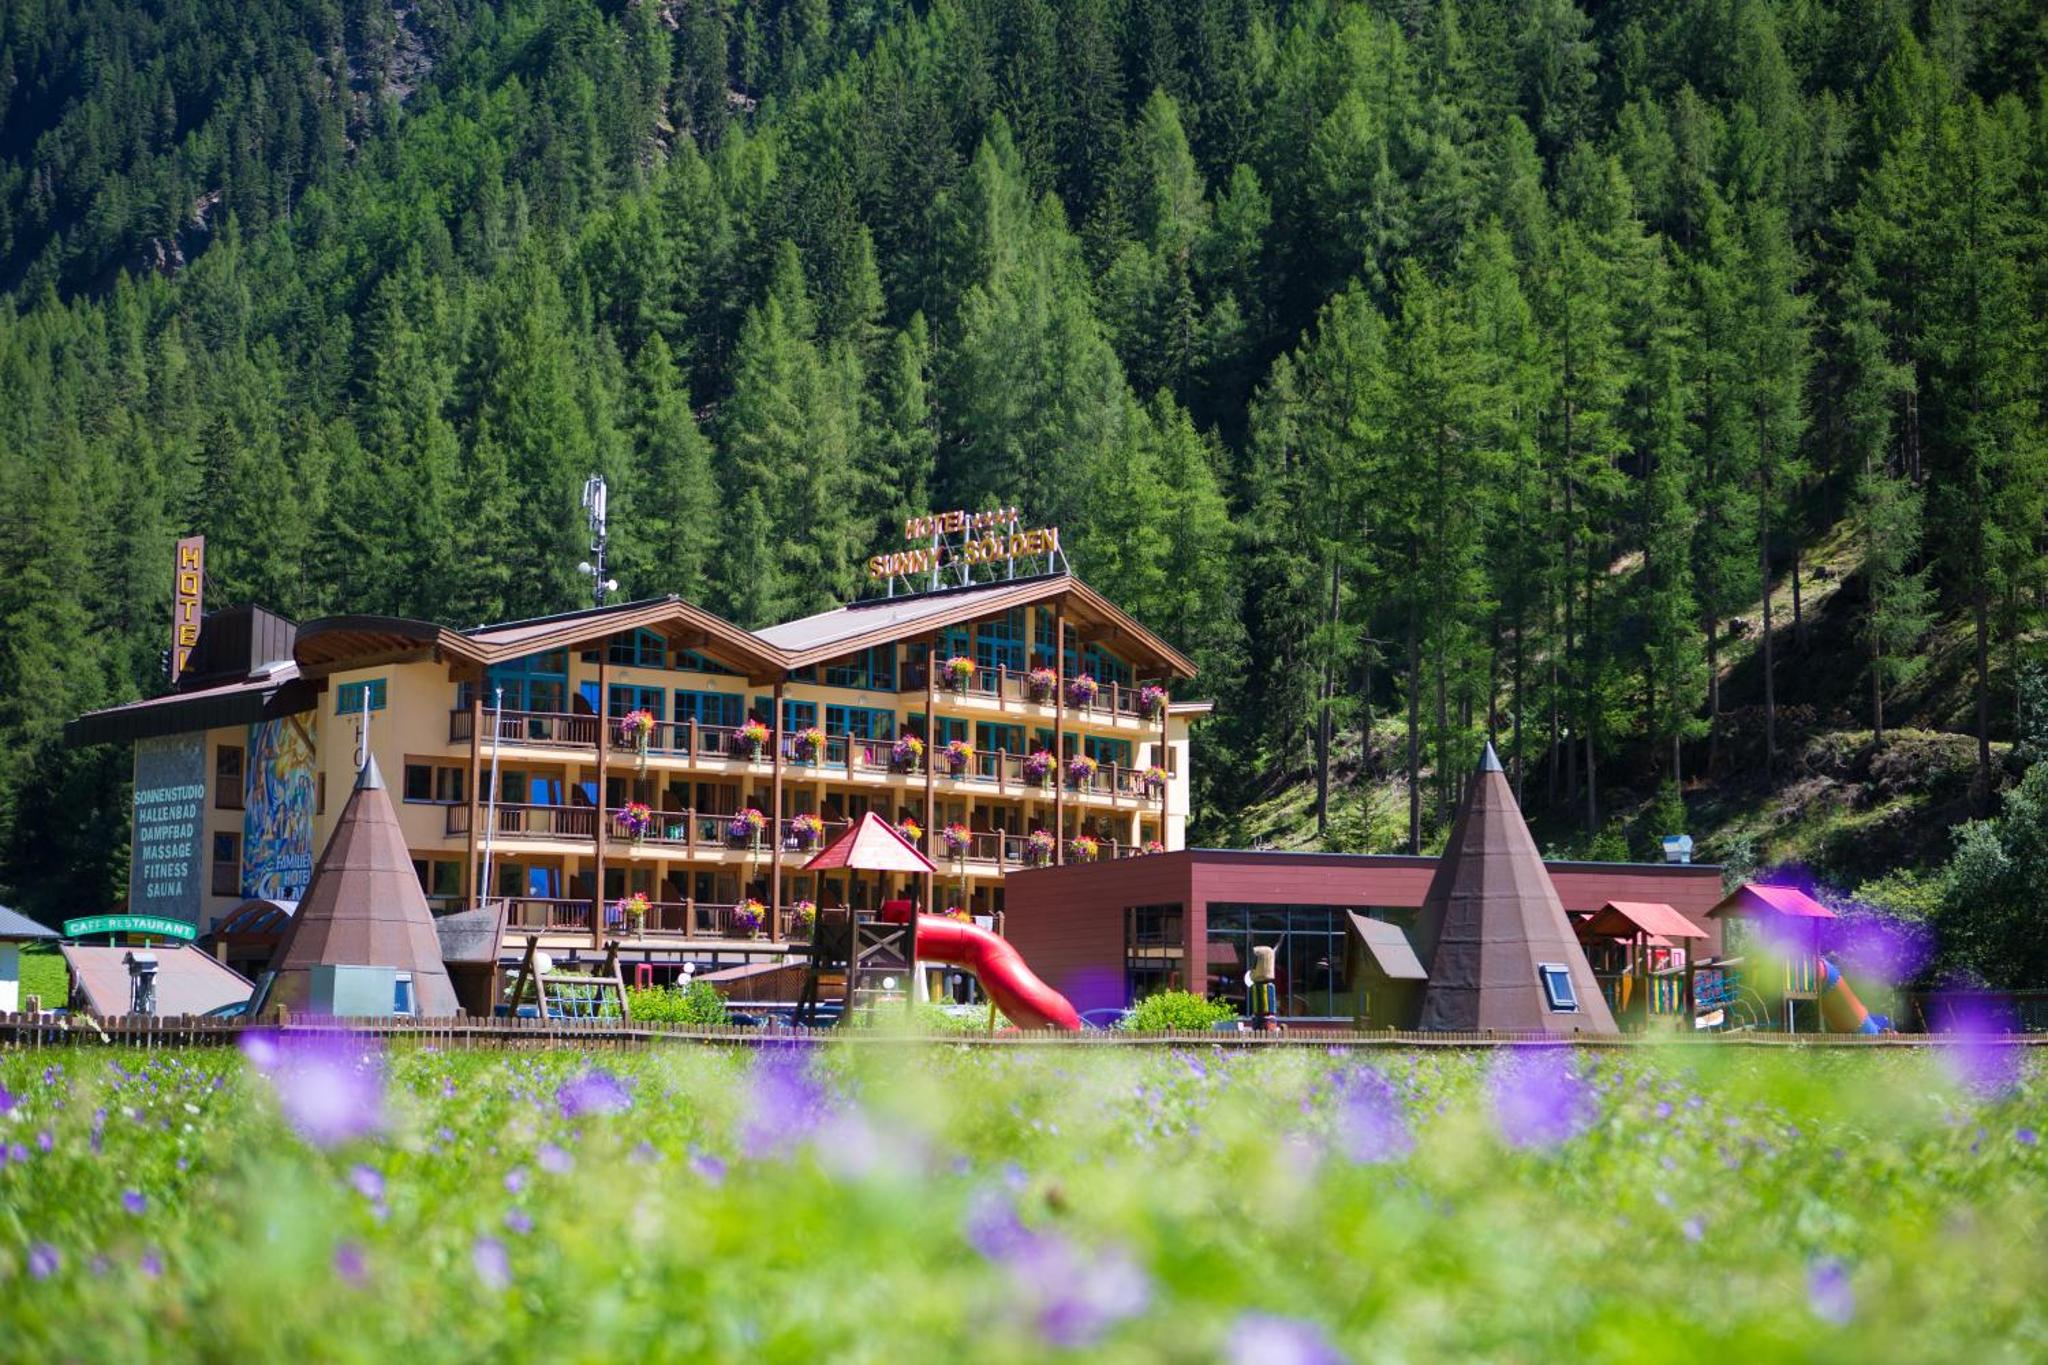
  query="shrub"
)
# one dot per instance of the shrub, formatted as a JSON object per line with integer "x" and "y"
{"x": 697, "y": 1003}
{"x": 1178, "y": 1010}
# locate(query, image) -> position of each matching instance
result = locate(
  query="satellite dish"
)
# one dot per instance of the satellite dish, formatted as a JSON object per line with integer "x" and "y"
{"x": 543, "y": 964}
{"x": 888, "y": 983}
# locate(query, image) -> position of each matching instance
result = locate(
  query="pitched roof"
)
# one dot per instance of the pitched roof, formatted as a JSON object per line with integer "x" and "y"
{"x": 265, "y": 695}
{"x": 858, "y": 625}
{"x": 16, "y": 927}
{"x": 1389, "y": 948}
{"x": 871, "y": 845}
{"x": 188, "y": 980}
{"x": 1754, "y": 898}
{"x": 472, "y": 936}
{"x": 1624, "y": 919}
{"x": 1490, "y": 917}
{"x": 363, "y": 907}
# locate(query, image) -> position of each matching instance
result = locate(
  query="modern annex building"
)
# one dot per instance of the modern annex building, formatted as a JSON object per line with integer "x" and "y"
{"x": 573, "y": 764}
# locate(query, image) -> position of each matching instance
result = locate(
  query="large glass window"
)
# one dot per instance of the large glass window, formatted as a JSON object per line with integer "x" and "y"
{"x": 862, "y": 722}
{"x": 999, "y": 641}
{"x": 1311, "y": 961}
{"x": 1108, "y": 751}
{"x": 990, "y": 737}
{"x": 538, "y": 682}
{"x": 351, "y": 697}
{"x": 699, "y": 663}
{"x": 872, "y": 670}
{"x": 626, "y": 699}
{"x": 709, "y": 708}
{"x": 1155, "y": 938}
{"x": 1042, "y": 654}
{"x": 1106, "y": 667}
{"x": 796, "y": 715}
{"x": 641, "y": 649}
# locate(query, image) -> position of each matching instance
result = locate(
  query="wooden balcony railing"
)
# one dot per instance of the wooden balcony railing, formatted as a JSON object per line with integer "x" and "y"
{"x": 534, "y": 729}
{"x": 530, "y": 822}
{"x": 1012, "y": 687}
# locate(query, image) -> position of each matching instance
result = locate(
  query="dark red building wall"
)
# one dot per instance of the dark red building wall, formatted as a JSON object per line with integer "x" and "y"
{"x": 1068, "y": 922}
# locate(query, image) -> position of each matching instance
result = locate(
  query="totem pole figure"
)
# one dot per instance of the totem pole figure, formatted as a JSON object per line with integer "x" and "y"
{"x": 1263, "y": 1001}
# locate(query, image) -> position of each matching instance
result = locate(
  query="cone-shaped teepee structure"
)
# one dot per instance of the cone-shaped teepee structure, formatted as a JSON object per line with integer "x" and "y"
{"x": 1492, "y": 922}
{"x": 363, "y": 908}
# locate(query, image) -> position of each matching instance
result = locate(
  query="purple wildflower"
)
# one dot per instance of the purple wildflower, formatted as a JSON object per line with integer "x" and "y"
{"x": 152, "y": 1263}
{"x": 709, "y": 1168}
{"x": 493, "y": 1266}
{"x": 1073, "y": 1296}
{"x": 367, "y": 1182}
{"x": 784, "y": 1103}
{"x": 515, "y": 1180}
{"x": 2027, "y": 1137}
{"x": 261, "y": 1047}
{"x": 1371, "y": 1127}
{"x": 1979, "y": 1053}
{"x": 330, "y": 1089}
{"x": 1269, "y": 1339}
{"x": 1539, "y": 1097}
{"x": 7, "y": 1100}
{"x": 46, "y": 1141}
{"x": 518, "y": 1220}
{"x": 43, "y": 1260}
{"x": 1663, "y": 1109}
{"x": 134, "y": 1202}
{"x": 1693, "y": 1229}
{"x": 1829, "y": 1293}
{"x": 350, "y": 1264}
{"x": 553, "y": 1159}
{"x": 594, "y": 1092}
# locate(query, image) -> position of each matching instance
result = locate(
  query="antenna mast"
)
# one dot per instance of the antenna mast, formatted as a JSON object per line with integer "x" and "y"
{"x": 594, "y": 506}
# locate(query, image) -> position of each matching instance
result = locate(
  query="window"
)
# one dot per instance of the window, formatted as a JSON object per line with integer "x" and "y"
{"x": 954, "y": 640}
{"x": 1042, "y": 654}
{"x": 1153, "y": 940}
{"x": 401, "y": 993}
{"x": 862, "y": 722}
{"x": 626, "y": 699}
{"x": 227, "y": 778}
{"x": 641, "y": 649}
{"x": 699, "y": 663}
{"x": 438, "y": 785}
{"x": 1109, "y": 751}
{"x": 949, "y": 729}
{"x": 871, "y": 669}
{"x": 709, "y": 708}
{"x": 989, "y": 738}
{"x": 999, "y": 642}
{"x": 227, "y": 864}
{"x": 352, "y": 698}
{"x": 796, "y": 715}
{"x": 538, "y": 682}
{"x": 1310, "y": 958}
{"x": 1557, "y": 987}
{"x": 1106, "y": 667}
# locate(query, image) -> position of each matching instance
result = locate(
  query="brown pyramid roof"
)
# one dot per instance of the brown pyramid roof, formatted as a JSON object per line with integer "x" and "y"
{"x": 871, "y": 845}
{"x": 1491, "y": 916}
{"x": 363, "y": 908}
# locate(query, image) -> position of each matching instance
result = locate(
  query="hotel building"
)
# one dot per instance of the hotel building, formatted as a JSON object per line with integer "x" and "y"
{"x": 566, "y": 764}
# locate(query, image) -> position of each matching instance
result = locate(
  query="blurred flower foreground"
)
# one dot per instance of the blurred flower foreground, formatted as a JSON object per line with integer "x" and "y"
{"x": 324, "y": 1199}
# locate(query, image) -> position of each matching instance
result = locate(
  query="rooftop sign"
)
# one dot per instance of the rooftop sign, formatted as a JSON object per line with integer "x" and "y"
{"x": 963, "y": 548}
{"x": 129, "y": 924}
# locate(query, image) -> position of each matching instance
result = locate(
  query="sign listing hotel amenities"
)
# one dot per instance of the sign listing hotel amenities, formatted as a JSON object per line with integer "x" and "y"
{"x": 170, "y": 823}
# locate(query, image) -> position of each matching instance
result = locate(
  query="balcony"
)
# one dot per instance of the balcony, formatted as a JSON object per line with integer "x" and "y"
{"x": 691, "y": 920}
{"x": 1009, "y": 689}
{"x": 1000, "y": 851}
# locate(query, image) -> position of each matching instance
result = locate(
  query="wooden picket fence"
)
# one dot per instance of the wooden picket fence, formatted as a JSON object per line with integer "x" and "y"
{"x": 470, "y": 1033}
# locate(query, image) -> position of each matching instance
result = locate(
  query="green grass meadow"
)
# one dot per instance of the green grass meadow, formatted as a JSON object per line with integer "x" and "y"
{"x": 926, "y": 1201}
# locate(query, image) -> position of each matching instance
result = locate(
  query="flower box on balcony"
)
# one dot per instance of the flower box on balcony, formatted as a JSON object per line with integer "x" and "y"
{"x": 906, "y": 755}
{"x": 636, "y": 728}
{"x": 748, "y": 917}
{"x": 1039, "y": 848}
{"x": 1043, "y": 684}
{"x": 1082, "y": 689}
{"x": 631, "y": 911}
{"x": 1038, "y": 767}
{"x": 745, "y": 827}
{"x": 751, "y": 739}
{"x": 957, "y": 837}
{"x": 637, "y": 819}
{"x": 959, "y": 755}
{"x": 959, "y": 672}
{"x": 1081, "y": 771}
{"x": 806, "y": 830}
{"x": 1151, "y": 701}
{"x": 1084, "y": 848}
{"x": 1153, "y": 781}
{"x": 808, "y": 744}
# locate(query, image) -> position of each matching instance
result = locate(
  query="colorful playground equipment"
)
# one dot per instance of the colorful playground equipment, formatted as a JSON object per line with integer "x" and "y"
{"x": 1024, "y": 1000}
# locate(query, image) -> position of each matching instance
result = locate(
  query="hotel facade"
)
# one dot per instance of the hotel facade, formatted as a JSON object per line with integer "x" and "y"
{"x": 653, "y": 775}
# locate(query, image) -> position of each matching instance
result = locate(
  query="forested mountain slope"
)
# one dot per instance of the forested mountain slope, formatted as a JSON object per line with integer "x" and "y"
{"x": 1429, "y": 370}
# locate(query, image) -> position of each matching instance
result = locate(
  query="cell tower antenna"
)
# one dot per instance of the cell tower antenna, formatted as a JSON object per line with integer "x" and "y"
{"x": 594, "y": 507}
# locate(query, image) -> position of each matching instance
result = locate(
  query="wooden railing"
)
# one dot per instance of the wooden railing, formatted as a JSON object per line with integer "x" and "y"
{"x": 529, "y": 821}
{"x": 1007, "y": 850}
{"x": 1013, "y": 687}
{"x": 534, "y": 729}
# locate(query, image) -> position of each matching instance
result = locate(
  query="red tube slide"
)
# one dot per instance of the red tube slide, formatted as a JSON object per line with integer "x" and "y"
{"x": 1024, "y": 1000}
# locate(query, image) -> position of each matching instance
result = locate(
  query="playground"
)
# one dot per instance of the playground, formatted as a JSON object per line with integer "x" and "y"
{"x": 1009, "y": 1204}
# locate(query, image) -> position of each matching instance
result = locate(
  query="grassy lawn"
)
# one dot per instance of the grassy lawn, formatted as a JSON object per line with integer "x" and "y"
{"x": 949, "y": 1204}
{"x": 43, "y": 974}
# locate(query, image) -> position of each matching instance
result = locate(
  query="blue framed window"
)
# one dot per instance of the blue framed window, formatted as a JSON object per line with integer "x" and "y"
{"x": 989, "y": 738}
{"x": 1106, "y": 667}
{"x": 953, "y": 640}
{"x": 538, "y": 682}
{"x": 1557, "y": 987}
{"x": 641, "y": 649}
{"x": 709, "y": 708}
{"x": 872, "y": 670}
{"x": 626, "y": 698}
{"x": 949, "y": 729}
{"x": 349, "y": 697}
{"x": 862, "y": 722}
{"x": 999, "y": 641}
{"x": 1108, "y": 751}
{"x": 1042, "y": 655}
{"x": 699, "y": 663}
{"x": 796, "y": 715}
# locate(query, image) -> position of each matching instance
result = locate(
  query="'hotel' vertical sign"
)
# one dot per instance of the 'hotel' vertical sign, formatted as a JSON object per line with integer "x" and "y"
{"x": 186, "y": 601}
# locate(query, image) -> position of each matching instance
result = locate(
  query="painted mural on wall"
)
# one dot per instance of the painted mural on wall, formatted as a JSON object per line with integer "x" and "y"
{"x": 277, "y": 810}
{"x": 170, "y": 803}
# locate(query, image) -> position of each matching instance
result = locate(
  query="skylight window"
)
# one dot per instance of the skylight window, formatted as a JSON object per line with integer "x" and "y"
{"x": 1557, "y": 987}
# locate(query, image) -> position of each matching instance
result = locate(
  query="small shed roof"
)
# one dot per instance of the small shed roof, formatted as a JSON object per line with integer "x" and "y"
{"x": 1625, "y": 919}
{"x": 471, "y": 936}
{"x": 1759, "y": 898}
{"x": 1389, "y": 948}
{"x": 16, "y": 927}
{"x": 871, "y": 845}
{"x": 188, "y": 980}
{"x": 258, "y": 919}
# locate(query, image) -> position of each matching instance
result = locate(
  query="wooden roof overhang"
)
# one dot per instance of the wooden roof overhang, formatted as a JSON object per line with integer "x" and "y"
{"x": 1098, "y": 620}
